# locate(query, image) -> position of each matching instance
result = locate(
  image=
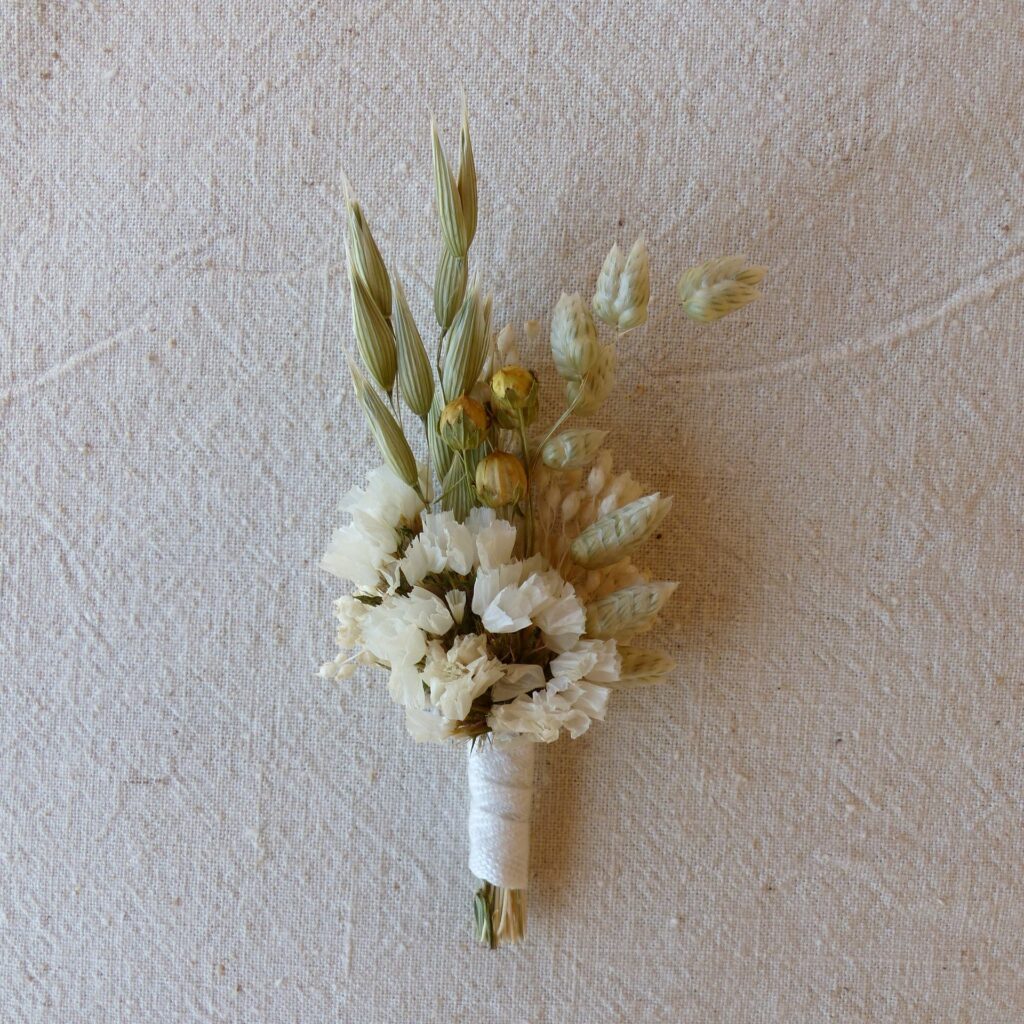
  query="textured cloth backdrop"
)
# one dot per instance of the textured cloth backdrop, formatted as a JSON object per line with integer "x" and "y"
{"x": 820, "y": 819}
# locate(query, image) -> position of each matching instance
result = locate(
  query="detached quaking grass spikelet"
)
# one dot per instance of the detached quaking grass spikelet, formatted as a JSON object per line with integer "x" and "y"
{"x": 715, "y": 288}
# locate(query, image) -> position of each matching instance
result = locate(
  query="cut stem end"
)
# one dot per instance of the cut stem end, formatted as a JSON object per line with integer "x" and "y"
{"x": 499, "y": 915}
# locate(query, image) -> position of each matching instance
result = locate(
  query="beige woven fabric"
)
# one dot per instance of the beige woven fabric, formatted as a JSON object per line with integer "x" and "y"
{"x": 820, "y": 819}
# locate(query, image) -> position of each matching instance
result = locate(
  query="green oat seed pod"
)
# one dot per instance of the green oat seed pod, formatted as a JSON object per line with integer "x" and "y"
{"x": 374, "y": 339}
{"x": 386, "y": 430}
{"x": 414, "y": 373}
{"x": 440, "y": 454}
{"x": 449, "y": 203}
{"x": 467, "y": 177}
{"x": 449, "y": 287}
{"x": 619, "y": 533}
{"x": 365, "y": 256}
{"x": 465, "y": 347}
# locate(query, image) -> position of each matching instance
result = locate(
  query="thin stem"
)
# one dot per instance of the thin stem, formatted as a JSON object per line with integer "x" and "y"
{"x": 561, "y": 419}
{"x": 528, "y": 512}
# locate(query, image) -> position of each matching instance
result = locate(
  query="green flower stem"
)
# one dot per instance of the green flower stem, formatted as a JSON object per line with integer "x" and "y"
{"x": 528, "y": 510}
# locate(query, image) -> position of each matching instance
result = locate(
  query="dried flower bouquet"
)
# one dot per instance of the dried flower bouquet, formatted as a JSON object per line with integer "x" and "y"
{"x": 496, "y": 583}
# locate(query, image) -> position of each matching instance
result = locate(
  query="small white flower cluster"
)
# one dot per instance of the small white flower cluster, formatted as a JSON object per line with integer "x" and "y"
{"x": 453, "y": 616}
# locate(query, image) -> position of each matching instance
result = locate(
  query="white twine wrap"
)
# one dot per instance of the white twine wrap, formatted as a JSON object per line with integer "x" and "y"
{"x": 500, "y": 796}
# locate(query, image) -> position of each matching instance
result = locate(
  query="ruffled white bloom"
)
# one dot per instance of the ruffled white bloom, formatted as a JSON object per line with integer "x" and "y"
{"x": 426, "y": 726}
{"x": 456, "y": 604}
{"x": 443, "y": 543}
{"x": 542, "y": 715}
{"x": 514, "y": 606}
{"x": 517, "y": 680}
{"x": 596, "y": 661}
{"x": 349, "y": 613}
{"x": 359, "y": 551}
{"x": 495, "y": 538}
{"x": 562, "y": 619}
{"x": 425, "y": 610}
{"x": 458, "y": 676}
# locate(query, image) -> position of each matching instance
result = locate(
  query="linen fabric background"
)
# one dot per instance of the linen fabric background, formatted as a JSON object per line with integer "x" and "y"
{"x": 820, "y": 818}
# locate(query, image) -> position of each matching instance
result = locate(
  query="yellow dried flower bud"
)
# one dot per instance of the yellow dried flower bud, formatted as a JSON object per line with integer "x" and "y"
{"x": 463, "y": 423}
{"x": 500, "y": 480}
{"x": 514, "y": 394}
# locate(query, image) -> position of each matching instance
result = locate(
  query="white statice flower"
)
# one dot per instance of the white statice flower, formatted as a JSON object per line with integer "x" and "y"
{"x": 542, "y": 715}
{"x": 594, "y": 661}
{"x": 443, "y": 544}
{"x": 517, "y": 595}
{"x": 514, "y": 606}
{"x": 517, "y": 680}
{"x": 491, "y": 582}
{"x": 425, "y": 610}
{"x": 427, "y": 726}
{"x": 456, "y": 600}
{"x": 349, "y": 613}
{"x": 359, "y": 551}
{"x": 562, "y": 619}
{"x": 457, "y": 676}
{"x": 495, "y": 538}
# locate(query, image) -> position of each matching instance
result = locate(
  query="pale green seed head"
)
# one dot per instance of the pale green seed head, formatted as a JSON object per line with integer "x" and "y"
{"x": 642, "y": 667}
{"x": 715, "y": 288}
{"x": 467, "y": 177}
{"x": 586, "y": 396}
{"x": 366, "y": 258}
{"x": 573, "y": 338}
{"x": 449, "y": 287}
{"x": 624, "y": 288}
{"x": 628, "y": 611}
{"x": 465, "y": 346}
{"x": 619, "y": 533}
{"x": 572, "y": 449}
